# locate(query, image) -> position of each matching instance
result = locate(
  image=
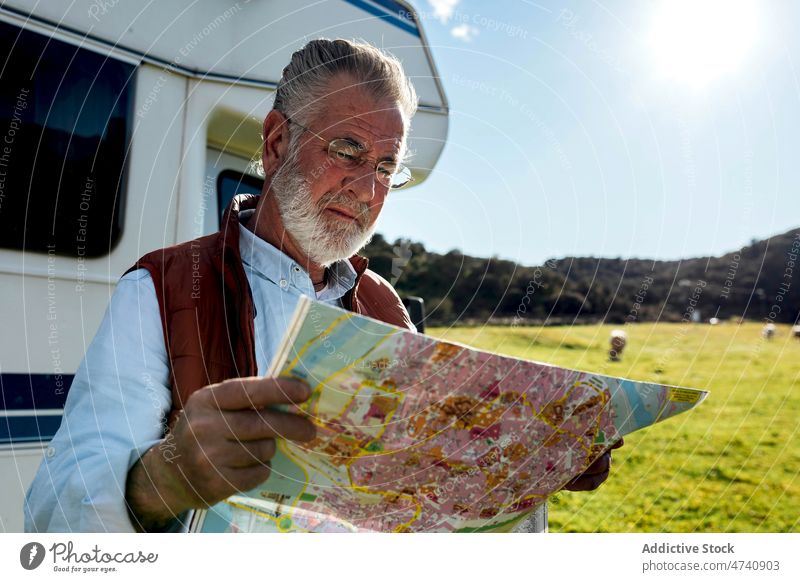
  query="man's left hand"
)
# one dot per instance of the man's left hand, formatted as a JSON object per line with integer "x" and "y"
{"x": 596, "y": 474}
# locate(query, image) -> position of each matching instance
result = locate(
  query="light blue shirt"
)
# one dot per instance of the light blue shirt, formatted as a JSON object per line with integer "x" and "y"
{"x": 120, "y": 397}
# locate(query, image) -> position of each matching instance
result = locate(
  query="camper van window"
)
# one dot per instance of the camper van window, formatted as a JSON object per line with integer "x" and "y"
{"x": 230, "y": 183}
{"x": 65, "y": 120}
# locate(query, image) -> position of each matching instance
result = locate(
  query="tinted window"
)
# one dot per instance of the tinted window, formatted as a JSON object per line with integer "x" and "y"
{"x": 65, "y": 119}
{"x": 230, "y": 183}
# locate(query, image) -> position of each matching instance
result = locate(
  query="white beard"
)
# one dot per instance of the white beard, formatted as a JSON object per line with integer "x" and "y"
{"x": 322, "y": 238}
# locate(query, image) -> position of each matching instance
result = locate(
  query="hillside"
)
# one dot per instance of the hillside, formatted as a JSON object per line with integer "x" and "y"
{"x": 758, "y": 281}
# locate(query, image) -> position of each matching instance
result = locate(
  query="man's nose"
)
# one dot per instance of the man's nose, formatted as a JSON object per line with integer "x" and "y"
{"x": 364, "y": 184}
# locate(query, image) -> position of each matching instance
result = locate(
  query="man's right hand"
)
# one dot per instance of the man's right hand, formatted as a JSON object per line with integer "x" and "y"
{"x": 221, "y": 444}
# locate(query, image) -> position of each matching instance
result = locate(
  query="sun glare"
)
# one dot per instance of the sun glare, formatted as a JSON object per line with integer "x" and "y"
{"x": 696, "y": 42}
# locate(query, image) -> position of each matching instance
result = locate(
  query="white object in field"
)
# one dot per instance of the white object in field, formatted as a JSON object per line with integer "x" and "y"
{"x": 769, "y": 331}
{"x": 714, "y": 321}
{"x": 618, "y": 341}
{"x": 796, "y": 331}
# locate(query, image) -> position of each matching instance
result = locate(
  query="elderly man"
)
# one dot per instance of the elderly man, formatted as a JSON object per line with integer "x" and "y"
{"x": 169, "y": 410}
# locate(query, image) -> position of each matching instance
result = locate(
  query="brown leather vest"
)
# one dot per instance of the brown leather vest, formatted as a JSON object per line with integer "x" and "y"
{"x": 207, "y": 309}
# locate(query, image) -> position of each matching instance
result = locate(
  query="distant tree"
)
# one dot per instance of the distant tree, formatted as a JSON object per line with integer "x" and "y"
{"x": 458, "y": 287}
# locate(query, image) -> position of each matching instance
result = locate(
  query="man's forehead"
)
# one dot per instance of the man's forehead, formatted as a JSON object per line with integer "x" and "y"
{"x": 350, "y": 109}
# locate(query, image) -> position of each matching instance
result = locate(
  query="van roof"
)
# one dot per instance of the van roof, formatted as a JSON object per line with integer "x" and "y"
{"x": 247, "y": 42}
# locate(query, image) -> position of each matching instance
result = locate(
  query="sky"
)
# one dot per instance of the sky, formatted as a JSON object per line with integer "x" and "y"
{"x": 633, "y": 129}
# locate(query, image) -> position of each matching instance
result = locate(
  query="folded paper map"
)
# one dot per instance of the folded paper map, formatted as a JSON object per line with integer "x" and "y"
{"x": 418, "y": 434}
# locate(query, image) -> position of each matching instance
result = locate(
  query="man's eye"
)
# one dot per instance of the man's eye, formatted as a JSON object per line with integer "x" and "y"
{"x": 345, "y": 152}
{"x": 387, "y": 170}
{"x": 345, "y": 155}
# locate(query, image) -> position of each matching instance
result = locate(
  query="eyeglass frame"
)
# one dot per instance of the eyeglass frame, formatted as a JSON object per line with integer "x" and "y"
{"x": 362, "y": 159}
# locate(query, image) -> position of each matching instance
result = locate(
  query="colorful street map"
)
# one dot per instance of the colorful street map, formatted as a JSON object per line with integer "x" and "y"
{"x": 417, "y": 434}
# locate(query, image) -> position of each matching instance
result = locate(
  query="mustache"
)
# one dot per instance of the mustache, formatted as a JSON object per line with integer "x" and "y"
{"x": 359, "y": 209}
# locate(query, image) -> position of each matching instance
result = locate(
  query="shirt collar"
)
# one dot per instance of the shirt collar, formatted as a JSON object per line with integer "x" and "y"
{"x": 270, "y": 263}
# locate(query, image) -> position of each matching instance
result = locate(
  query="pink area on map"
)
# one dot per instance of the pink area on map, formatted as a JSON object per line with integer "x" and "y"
{"x": 455, "y": 432}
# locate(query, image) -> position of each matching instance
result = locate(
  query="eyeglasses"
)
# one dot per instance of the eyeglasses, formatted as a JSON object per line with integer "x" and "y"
{"x": 348, "y": 154}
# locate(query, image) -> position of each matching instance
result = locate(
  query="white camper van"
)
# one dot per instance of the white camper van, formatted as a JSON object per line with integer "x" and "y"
{"x": 125, "y": 129}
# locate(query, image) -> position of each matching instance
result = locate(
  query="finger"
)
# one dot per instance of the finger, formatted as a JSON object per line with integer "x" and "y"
{"x": 251, "y": 453}
{"x": 601, "y": 465}
{"x": 586, "y": 483}
{"x": 249, "y": 425}
{"x": 583, "y": 481}
{"x": 248, "y": 477}
{"x": 257, "y": 392}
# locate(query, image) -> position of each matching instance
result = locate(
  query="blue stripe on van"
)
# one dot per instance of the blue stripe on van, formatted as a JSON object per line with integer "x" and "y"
{"x": 32, "y": 391}
{"x": 23, "y": 395}
{"x": 28, "y": 429}
{"x": 397, "y": 8}
{"x": 398, "y": 16}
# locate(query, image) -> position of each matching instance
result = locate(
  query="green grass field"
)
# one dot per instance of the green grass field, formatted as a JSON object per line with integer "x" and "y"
{"x": 730, "y": 465}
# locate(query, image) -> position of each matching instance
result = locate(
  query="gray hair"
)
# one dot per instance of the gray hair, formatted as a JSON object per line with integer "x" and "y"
{"x": 306, "y": 79}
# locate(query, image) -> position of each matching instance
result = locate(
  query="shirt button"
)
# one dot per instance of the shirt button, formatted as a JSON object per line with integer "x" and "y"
{"x": 283, "y": 283}
{"x": 51, "y": 452}
{"x": 296, "y": 269}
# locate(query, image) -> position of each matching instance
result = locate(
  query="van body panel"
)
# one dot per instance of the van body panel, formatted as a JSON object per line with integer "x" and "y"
{"x": 203, "y": 79}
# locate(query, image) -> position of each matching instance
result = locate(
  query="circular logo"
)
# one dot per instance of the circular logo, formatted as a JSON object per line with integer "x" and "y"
{"x": 31, "y": 555}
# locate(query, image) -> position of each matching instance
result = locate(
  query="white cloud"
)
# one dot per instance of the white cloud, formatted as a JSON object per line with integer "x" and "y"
{"x": 465, "y": 32}
{"x": 443, "y": 9}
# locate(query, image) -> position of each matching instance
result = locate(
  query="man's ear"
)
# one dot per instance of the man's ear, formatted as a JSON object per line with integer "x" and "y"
{"x": 276, "y": 141}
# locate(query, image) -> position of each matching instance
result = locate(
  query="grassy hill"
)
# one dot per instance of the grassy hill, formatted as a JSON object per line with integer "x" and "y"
{"x": 731, "y": 465}
{"x": 461, "y": 289}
